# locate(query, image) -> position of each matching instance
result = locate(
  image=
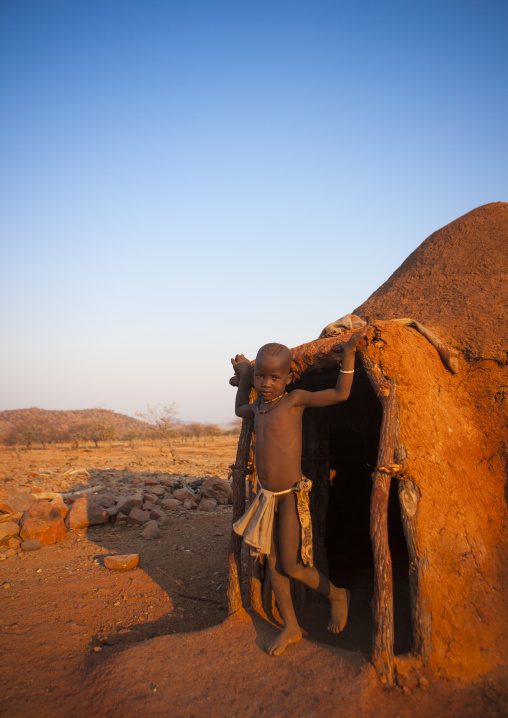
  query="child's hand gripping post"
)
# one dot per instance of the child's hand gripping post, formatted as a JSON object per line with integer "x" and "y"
{"x": 242, "y": 369}
{"x": 239, "y": 370}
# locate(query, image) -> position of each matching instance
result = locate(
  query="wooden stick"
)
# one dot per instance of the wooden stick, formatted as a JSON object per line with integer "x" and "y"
{"x": 239, "y": 472}
{"x": 421, "y": 618}
{"x": 382, "y": 643}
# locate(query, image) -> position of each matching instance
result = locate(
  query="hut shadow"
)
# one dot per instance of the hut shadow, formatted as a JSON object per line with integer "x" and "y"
{"x": 184, "y": 613}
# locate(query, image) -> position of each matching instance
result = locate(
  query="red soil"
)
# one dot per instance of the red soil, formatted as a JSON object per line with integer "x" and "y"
{"x": 151, "y": 660}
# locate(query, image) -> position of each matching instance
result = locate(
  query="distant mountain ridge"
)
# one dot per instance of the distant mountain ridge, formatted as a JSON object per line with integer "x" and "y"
{"x": 62, "y": 421}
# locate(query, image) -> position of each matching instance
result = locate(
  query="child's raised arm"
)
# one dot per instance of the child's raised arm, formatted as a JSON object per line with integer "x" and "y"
{"x": 342, "y": 389}
{"x": 241, "y": 365}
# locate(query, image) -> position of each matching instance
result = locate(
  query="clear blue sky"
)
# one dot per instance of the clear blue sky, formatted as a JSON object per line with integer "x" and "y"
{"x": 182, "y": 181}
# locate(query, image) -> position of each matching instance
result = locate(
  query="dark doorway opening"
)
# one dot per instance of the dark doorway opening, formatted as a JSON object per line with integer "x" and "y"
{"x": 354, "y": 430}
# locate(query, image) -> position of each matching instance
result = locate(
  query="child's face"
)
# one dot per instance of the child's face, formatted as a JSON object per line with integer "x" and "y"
{"x": 271, "y": 376}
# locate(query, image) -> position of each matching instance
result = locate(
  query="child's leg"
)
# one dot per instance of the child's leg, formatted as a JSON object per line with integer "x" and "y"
{"x": 289, "y": 549}
{"x": 282, "y": 591}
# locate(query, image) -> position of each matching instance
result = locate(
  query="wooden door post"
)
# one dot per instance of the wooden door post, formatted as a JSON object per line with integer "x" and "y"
{"x": 239, "y": 472}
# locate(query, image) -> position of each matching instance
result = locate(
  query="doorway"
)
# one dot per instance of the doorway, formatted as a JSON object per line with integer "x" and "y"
{"x": 353, "y": 441}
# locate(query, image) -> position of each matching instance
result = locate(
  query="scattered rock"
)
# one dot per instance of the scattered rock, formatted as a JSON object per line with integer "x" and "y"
{"x": 170, "y": 504}
{"x": 218, "y": 489}
{"x": 12, "y": 502}
{"x": 126, "y": 562}
{"x": 157, "y": 491}
{"x": 157, "y": 513}
{"x": 207, "y": 505}
{"x": 58, "y": 501}
{"x": 13, "y": 542}
{"x": 85, "y": 512}
{"x": 8, "y": 529}
{"x": 127, "y": 503}
{"x": 44, "y": 522}
{"x": 195, "y": 485}
{"x": 137, "y": 516}
{"x": 165, "y": 522}
{"x": 9, "y": 553}
{"x": 6, "y": 585}
{"x": 112, "y": 511}
{"x": 31, "y": 545}
{"x": 103, "y": 500}
{"x": 151, "y": 531}
{"x": 148, "y": 505}
{"x": 170, "y": 482}
{"x": 182, "y": 494}
{"x": 151, "y": 482}
{"x": 189, "y": 504}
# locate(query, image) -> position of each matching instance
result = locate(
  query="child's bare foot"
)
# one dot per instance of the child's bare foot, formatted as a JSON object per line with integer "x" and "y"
{"x": 339, "y": 604}
{"x": 288, "y": 635}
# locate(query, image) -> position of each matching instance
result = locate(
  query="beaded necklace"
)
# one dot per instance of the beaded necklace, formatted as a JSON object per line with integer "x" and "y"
{"x": 277, "y": 399}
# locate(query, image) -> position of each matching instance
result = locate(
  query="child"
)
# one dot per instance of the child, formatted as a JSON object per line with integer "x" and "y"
{"x": 278, "y": 426}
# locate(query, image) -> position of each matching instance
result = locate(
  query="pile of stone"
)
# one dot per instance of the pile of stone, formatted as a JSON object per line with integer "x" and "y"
{"x": 31, "y": 520}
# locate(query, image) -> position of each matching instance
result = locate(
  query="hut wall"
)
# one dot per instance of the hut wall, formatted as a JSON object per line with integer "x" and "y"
{"x": 453, "y": 428}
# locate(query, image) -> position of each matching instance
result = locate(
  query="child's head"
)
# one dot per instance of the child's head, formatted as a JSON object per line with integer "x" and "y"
{"x": 272, "y": 371}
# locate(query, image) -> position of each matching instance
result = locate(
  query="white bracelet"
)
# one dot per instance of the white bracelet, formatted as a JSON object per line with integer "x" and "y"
{"x": 347, "y": 372}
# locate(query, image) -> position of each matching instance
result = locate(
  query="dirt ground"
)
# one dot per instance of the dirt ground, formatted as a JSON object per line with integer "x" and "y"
{"x": 79, "y": 640}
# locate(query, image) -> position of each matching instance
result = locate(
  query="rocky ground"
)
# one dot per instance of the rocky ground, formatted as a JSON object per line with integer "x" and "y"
{"x": 79, "y": 639}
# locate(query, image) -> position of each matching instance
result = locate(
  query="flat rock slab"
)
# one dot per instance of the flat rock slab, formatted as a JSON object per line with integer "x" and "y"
{"x": 151, "y": 531}
{"x": 207, "y": 505}
{"x": 182, "y": 494}
{"x": 127, "y": 503}
{"x": 156, "y": 491}
{"x": 218, "y": 489}
{"x": 86, "y": 512}
{"x": 137, "y": 516}
{"x": 8, "y": 529}
{"x": 31, "y": 545}
{"x": 126, "y": 562}
{"x": 44, "y": 522}
{"x": 170, "y": 504}
{"x": 11, "y": 502}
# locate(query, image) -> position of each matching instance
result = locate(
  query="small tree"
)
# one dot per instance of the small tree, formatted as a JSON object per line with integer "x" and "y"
{"x": 101, "y": 432}
{"x": 20, "y": 434}
{"x": 236, "y": 427}
{"x": 162, "y": 420}
{"x": 130, "y": 435}
{"x": 212, "y": 430}
{"x": 28, "y": 433}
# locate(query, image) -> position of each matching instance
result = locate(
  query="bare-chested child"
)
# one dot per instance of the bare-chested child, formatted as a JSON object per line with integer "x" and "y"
{"x": 278, "y": 426}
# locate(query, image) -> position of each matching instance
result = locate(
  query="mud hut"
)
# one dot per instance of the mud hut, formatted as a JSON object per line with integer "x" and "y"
{"x": 410, "y": 493}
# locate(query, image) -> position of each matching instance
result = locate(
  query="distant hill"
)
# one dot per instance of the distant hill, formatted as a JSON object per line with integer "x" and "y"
{"x": 62, "y": 421}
